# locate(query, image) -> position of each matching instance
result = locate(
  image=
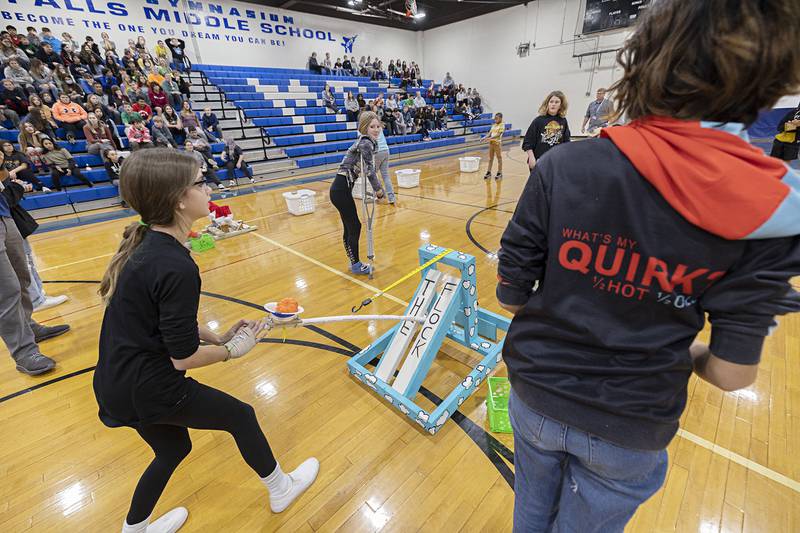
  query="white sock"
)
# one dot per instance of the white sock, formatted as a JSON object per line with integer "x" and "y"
{"x": 277, "y": 482}
{"x": 141, "y": 527}
{"x": 286, "y": 488}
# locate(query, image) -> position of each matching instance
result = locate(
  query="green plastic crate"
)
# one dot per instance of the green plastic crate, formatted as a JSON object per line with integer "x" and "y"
{"x": 497, "y": 405}
{"x": 202, "y": 243}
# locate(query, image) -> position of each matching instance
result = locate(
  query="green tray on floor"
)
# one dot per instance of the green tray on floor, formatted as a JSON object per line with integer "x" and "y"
{"x": 497, "y": 405}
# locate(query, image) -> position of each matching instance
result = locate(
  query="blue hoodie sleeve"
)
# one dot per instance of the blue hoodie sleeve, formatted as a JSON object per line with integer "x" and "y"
{"x": 523, "y": 247}
{"x": 742, "y": 305}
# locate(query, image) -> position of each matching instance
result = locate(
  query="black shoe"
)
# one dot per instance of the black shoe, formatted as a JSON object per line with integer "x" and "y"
{"x": 498, "y": 176}
{"x": 487, "y": 175}
{"x": 42, "y": 333}
{"x": 35, "y": 364}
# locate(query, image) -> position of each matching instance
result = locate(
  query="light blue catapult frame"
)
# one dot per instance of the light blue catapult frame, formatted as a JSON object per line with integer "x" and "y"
{"x": 470, "y": 326}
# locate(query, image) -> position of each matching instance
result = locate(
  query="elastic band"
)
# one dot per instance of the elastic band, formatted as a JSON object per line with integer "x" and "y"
{"x": 142, "y": 223}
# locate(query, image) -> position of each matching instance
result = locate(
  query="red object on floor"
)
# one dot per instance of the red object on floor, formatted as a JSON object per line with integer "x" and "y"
{"x": 219, "y": 210}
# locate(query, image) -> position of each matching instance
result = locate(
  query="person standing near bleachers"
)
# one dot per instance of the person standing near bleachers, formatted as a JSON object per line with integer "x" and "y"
{"x": 20, "y": 333}
{"x": 547, "y": 130}
{"x": 382, "y": 163}
{"x": 495, "y": 140}
{"x": 358, "y": 161}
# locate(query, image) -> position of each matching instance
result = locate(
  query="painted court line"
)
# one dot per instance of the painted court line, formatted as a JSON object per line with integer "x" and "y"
{"x": 326, "y": 267}
{"x": 699, "y": 441}
{"x": 740, "y": 460}
{"x": 54, "y": 267}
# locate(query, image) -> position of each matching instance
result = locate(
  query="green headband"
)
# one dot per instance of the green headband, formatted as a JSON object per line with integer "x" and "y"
{"x": 142, "y": 223}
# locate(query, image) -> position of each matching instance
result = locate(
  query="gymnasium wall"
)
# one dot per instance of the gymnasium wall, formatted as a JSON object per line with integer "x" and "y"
{"x": 481, "y": 52}
{"x": 224, "y": 32}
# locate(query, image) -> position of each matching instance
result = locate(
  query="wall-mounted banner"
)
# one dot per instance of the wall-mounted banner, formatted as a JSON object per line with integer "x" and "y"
{"x": 220, "y": 32}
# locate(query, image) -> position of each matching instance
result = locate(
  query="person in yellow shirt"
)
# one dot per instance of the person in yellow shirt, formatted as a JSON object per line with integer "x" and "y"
{"x": 495, "y": 140}
{"x": 161, "y": 51}
{"x": 787, "y": 142}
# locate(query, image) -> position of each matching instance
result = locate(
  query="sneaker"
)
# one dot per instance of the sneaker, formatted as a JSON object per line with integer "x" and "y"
{"x": 252, "y": 180}
{"x": 487, "y": 175}
{"x": 361, "y": 269}
{"x": 392, "y": 199}
{"x": 221, "y": 187}
{"x": 51, "y": 301}
{"x": 35, "y": 364}
{"x": 167, "y": 523}
{"x": 302, "y": 477}
{"x": 232, "y": 183}
{"x": 498, "y": 176}
{"x": 46, "y": 190}
{"x": 42, "y": 333}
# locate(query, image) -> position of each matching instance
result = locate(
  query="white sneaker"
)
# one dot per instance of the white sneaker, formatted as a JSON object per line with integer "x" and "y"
{"x": 170, "y": 522}
{"x": 51, "y": 301}
{"x": 221, "y": 187}
{"x": 302, "y": 477}
{"x": 46, "y": 190}
{"x": 232, "y": 183}
{"x": 252, "y": 180}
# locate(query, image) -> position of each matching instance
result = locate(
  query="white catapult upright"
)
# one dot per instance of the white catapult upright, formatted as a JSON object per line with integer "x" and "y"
{"x": 443, "y": 307}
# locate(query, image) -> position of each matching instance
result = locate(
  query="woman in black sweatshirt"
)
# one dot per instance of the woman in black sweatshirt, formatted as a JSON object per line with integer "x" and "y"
{"x": 548, "y": 129}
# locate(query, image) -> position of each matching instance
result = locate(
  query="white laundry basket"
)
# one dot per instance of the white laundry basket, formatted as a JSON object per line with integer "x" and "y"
{"x": 407, "y": 178}
{"x": 301, "y": 202}
{"x": 359, "y": 183}
{"x": 469, "y": 164}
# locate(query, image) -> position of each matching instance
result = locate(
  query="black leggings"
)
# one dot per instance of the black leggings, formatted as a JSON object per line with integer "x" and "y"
{"x": 342, "y": 199}
{"x": 169, "y": 439}
{"x": 57, "y": 174}
{"x": 29, "y": 176}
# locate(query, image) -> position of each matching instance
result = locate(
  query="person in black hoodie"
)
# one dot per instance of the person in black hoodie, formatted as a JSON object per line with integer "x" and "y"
{"x": 13, "y": 102}
{"x": 787, "y": 142}
{"x": 547, "y": 130}
{"x": 621, "y": 245}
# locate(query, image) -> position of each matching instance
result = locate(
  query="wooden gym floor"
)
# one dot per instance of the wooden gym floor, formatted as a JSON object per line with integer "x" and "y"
{"x": 734, "y": 466}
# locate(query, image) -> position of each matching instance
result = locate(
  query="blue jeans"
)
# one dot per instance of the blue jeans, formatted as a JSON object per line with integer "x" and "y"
{"x": 35, "y": 289}
{"x": 567, "y": 480}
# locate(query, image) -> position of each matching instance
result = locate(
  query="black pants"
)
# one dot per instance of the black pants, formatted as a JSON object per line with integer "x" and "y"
{"x": 57, "y": 174}
{"x": 785, "y": 151}
{"x": 169, "y": 439}
{"x": 342, "y": 199}
{"x": 210, "y": 175}
{"x": 231, "y": 166}
{"x": 30, "y": 176}
{"x": 71, "y": 129}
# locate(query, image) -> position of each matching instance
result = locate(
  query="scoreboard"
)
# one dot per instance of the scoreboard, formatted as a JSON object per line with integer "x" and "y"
{"x": 602, "y": 15}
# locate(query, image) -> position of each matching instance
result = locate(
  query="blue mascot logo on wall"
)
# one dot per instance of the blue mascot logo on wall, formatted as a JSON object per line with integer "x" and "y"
{"x": 347, "y": 43}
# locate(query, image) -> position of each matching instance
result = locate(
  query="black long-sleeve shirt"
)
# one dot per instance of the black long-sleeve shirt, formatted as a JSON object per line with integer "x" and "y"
{"x": 545, "y": 132}
{"x": 152, "y": 317}
{"x": 624, "y": 285}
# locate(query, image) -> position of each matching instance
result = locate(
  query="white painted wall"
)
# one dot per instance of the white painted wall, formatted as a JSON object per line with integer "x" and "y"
{"x": 124, "y": 19}
{"x": 481, "y": 53}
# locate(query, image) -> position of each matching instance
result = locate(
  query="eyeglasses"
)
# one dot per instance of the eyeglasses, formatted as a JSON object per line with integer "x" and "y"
{"x": 199, "y": 183}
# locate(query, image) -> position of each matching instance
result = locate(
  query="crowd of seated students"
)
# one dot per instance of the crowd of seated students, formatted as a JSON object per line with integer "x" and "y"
{"x": 55, "y": 89}
{"x": 369, "y": 67}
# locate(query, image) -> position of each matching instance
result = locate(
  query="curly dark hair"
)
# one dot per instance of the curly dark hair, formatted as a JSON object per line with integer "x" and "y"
{"x": 716, "y": 60}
